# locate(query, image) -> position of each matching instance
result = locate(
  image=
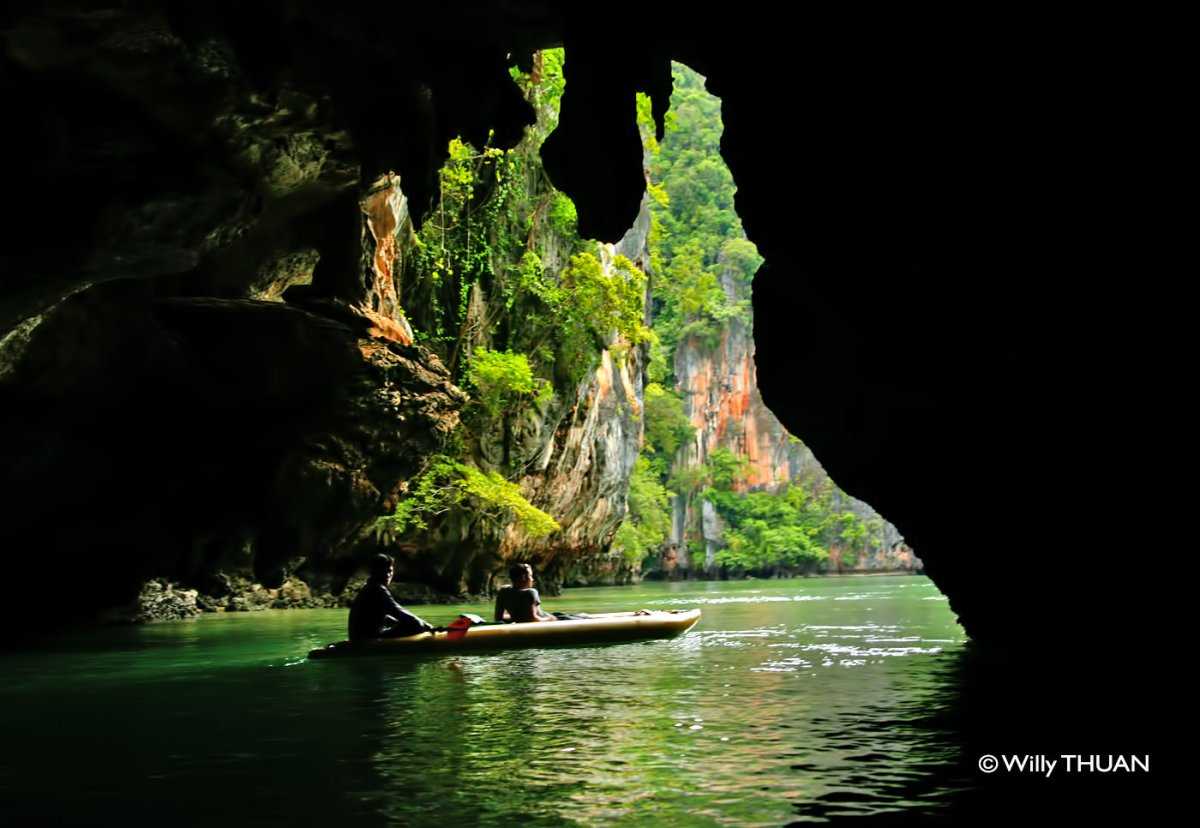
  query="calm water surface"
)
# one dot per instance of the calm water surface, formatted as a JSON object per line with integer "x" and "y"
{"x": 791, "y": 700}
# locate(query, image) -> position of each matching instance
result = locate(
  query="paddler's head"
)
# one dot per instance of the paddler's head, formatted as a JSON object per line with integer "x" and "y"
{"x": 382, "y": 568}
{"x": 521, "y": 575}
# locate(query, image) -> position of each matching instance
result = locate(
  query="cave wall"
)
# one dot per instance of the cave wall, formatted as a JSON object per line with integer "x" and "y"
{"x": 939, "y": 205}
{"x": 203, "y": 367}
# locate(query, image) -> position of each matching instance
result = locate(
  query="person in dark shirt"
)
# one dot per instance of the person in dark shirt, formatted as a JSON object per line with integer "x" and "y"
{"x": 375, "y": 613}
{"x": 520, "y": 602}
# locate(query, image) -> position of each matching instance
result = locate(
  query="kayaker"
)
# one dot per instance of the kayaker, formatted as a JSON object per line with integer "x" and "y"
{"x": 520, "y": 602}
{"x": 375, "y": 613}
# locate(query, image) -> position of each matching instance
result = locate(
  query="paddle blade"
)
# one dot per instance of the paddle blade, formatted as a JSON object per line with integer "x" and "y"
{"x": 459, "y": 626}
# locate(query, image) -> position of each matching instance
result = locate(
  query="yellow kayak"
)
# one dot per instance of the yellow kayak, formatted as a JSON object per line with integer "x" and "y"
{"x": 596, "y": 629}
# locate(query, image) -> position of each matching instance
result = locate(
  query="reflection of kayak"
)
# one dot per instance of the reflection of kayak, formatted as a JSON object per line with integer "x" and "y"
{"x": 614, "y": 626}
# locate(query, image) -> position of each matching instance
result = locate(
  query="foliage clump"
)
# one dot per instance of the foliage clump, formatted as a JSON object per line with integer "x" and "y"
{"x": 702, "y": 260}
{"x": 447, "y": 483}
{"x": 648, "y": 521}
{"x": 543, "y": 87}
{"x": 501, "y": 379}
{"x": 667, "y": 426}
{"x": 593, "y": 305}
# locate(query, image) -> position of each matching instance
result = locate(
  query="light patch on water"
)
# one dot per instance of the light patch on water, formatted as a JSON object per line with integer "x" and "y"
{"x": 862, "y": 596}
{"x": 735, "y": 638}
{"x": 737, "y": 599}
{"x": 784, "y": 665}
{"x": 876, "y": 638}
{"x": 859, "y": 652}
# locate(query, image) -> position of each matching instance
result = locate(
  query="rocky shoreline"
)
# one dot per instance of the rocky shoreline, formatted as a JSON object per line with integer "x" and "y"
{"x": 163, "y": 600}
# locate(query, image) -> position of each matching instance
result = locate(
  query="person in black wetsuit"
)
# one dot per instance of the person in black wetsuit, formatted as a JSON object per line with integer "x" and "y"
{"x": 375, "y": 613}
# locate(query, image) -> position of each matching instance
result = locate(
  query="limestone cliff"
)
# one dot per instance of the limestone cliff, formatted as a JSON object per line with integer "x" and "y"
{"x": 719, "y": 387}
{"x": 572, "y": 450}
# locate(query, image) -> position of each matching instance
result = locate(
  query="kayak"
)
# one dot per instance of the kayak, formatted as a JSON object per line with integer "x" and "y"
{"x": 596, "y": 629}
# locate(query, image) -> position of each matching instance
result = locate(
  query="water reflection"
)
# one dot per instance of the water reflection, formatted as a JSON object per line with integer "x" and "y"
{"x": 786, "y": 703}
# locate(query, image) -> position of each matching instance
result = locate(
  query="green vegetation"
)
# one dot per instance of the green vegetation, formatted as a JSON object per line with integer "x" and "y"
{"x": 500, "y": 379}
{"x": 666, "y": 425}
{"x": 703, "y": 266}
{"x": 447, "y": 483}
{"x": 697, "y": 241}
{"x": 594, "y": 304}
{"x": 788, "y": 530}
{"x": 521, "y": 309}
{"x": 543, "y": 87}
{"x": 666, "y": 428}
{"x": 563, "y": 217}
{"x": 649, "y": 518}
{"x": 517, "y": 305}
{"x": 478, "y": 268}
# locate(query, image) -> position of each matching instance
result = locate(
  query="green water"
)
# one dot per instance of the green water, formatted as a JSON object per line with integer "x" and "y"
{"x": 798, "y": 699}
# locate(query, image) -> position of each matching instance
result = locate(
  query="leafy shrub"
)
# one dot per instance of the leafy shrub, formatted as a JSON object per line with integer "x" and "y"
{"x": 500, "y": 379}
{"x": 446, "y": 484}
{"x": 593, "y": 305}
{"x": 562, "y": 214}
{"x": 667, "y": 427}
{"x": 648, "y": 521}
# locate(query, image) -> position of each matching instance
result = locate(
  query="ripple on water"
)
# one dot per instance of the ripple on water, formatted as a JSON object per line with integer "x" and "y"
{"x": 854, "y": 650}
{"x": 736, "y": 599}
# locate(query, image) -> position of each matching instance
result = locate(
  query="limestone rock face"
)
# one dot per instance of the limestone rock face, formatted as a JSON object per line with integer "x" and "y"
{"x": 577, "y": 451}
{"x": 212, "y": 434}
{"x": 586, "y": 455}
{"x": 719, "y": 386}
{"x": 585, "y": 458}
{"x": 160, "y": 600}
{"x": 195, "y": 168}
{"x": 204, "y": 367}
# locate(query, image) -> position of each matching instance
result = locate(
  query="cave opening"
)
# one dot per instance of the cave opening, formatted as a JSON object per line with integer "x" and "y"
{"x": 497, "y": 280}
{"x": 123, "y": 383}
{"x": 202, "y": 370}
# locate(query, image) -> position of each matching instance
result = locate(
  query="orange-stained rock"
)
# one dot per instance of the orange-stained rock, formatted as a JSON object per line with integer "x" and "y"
{"x": 385, "y": 328}
{"x": 386, "y": 234}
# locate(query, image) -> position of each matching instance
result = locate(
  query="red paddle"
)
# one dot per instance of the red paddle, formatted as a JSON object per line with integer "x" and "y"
{"x": 459, "y": 626}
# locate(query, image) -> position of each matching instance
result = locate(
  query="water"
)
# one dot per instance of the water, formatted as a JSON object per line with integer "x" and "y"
{"x": 800, "y": 699}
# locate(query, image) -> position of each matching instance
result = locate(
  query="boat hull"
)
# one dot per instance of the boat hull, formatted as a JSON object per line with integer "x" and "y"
{"x": 598, "y": 629}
